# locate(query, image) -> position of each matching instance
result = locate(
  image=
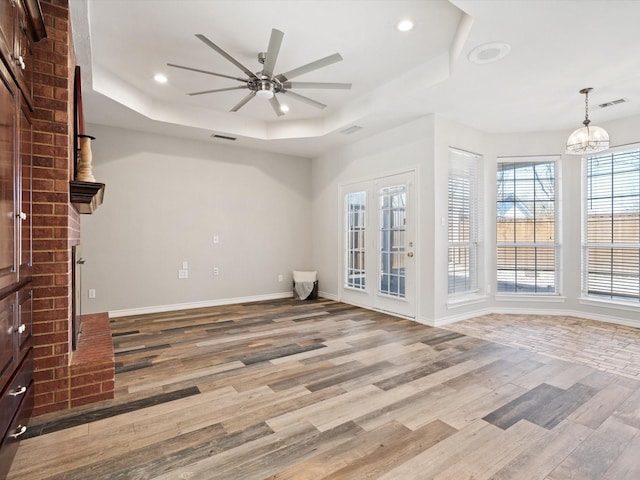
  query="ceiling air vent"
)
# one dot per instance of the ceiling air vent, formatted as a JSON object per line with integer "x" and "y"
{"x": 223, "y": 137}
{"x": 350, "y": 130}
{"x": 612, "y": 103}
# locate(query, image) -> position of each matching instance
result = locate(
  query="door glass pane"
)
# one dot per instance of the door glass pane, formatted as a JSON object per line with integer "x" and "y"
{"x": 392, "y": 238}
{"x": 354, "y": 275}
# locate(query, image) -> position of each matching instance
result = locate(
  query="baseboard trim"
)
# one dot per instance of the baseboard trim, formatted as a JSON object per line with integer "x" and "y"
{"x": 571, "y": 313}
{"x": 206, "y": 303}
{"x": 328, "y": 296}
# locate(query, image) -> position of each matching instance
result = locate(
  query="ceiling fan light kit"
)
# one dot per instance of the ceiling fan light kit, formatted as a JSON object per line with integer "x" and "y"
{"x": 265, "y": 84}
{"x": 587, "y": 139}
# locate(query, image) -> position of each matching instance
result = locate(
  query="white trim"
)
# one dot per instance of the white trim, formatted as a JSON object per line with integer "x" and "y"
{"x": 328, "y": 296}
{"x": 604, "y": 303}
{"x": 463, "y": 301}
{"x": 203, "y": 304}
{"x": 530, "y": 298}
{"x": 463, "y": 316}
{"x": 605, "y": 318}
{"x": 570, "y": 313}
{"x": 528, "y": 158}
{"x": 422, "y": 320}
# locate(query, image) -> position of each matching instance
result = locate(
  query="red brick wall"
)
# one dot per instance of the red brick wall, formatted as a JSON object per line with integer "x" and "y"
{"x": 56, "y": 225}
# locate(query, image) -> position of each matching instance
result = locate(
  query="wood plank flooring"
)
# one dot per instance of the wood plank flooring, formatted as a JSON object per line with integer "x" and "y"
{"x": 324, "y": 390}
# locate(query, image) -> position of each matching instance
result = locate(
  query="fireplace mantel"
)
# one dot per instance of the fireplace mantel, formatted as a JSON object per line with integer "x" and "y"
{"x": 86, "y": 196}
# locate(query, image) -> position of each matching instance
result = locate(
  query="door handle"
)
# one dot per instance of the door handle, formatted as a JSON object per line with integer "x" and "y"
{"x": 19, "y": 431}
{"x": 410, "y": 254}
{"x": 18, "y": 392}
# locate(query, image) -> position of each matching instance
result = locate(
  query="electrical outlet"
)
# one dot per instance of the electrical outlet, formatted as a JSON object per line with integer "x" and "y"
{"x": 182, "y": 273}
{"x": 92, "y": 293}
{"x": 216, "y": 271}
{"x": 281, "y": 278}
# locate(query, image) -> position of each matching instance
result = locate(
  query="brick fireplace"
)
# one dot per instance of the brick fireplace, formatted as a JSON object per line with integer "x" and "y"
{"x": 63, "y": 378}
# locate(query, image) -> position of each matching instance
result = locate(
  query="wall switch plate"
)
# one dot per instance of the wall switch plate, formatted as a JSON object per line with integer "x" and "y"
{"x": 182, "y": 273}
{"x": 216, "y": 239}
{"x": 92, "y": 293}
{"x": 185, "y": 265}
{"x": 281, "y": 278}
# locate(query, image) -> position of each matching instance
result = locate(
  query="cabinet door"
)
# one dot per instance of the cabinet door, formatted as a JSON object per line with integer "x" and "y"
{"x": 7, "y": 351}
{"x": 25, "y": 319}
{"x": 26, "y": 169}
{"x": 8, "y": 9}
{"x": 7, "y": 178}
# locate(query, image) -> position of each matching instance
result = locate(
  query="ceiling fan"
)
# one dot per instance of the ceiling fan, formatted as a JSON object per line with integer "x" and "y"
{"x": 265, "y": 84}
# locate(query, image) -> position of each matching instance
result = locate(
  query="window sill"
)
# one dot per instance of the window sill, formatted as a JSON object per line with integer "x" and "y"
{"x": 613, "y": 304}
{"x": 530, "y": 298}
{"x": 463, "y": 301}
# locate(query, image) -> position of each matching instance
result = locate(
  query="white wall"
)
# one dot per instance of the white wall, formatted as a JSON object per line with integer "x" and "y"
{"x": 400, "y": 149}
{"x": 166, "y": 198}
{"x": 425, "y": 143}
{"x": 449, "y": 135}
{"x": 621, "y": 132}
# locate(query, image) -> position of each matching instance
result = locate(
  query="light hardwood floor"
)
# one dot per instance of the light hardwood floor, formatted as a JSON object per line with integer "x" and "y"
{"x": 324, "y": 390}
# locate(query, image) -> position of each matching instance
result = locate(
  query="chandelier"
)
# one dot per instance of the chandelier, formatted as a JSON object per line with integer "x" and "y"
{"x": 587, "y": 139}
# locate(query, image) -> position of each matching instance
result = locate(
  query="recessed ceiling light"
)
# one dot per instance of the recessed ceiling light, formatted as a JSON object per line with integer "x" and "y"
{"x": 405, "y": 25}
{"x": 284, "y": 108}
{"x": 489, "y": 52}
{"x": 160, "y": 78}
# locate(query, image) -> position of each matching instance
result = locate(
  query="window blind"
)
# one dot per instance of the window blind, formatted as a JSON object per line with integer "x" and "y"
{"x": 527, "y": 250}
{"x": 611, "y": 252}
{"x": 463, "y": 220}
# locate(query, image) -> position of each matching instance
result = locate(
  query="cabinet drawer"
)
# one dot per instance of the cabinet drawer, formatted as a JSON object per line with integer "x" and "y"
{"x": 17, "y": 428}
{"x": 16, "y": 391}
{"x": 25, "y": 318}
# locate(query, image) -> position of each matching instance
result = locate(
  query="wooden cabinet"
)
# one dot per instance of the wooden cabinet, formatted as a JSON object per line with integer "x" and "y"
{"x": 8, "y": 134}
{"x": 18, "y": 27}
{"x": 25, "y": 237}
{"x": 21, "y": 24}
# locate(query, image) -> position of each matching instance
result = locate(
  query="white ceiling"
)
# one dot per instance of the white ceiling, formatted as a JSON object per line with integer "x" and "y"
{"x": 557, "y": 48}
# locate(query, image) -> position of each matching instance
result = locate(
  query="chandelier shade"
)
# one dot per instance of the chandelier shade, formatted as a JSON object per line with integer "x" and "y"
{"x": 587, "y": 139}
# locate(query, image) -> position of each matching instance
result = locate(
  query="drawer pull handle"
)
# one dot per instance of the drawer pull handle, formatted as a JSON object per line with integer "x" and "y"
{"x": 22, "y": 328}
{"x": 23, "y": 428}
{"x": 18, "y": 392}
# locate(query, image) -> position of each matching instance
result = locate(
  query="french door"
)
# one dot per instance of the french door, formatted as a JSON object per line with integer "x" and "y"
{"x": 379, "y": 244}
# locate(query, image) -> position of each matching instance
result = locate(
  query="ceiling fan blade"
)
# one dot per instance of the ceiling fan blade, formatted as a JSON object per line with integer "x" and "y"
{"x": 337, "y": 86}
{"x": 304, "y": 99}
{"x": 218, "y": 90}
{"x": 310, "y": 67}
{"x": 242, "y": 102}
{"x": 208, "y": 42}
{"x": 205, "y": 71}
{"x": 276, "y": 106}
{"x": 272, "y": 52}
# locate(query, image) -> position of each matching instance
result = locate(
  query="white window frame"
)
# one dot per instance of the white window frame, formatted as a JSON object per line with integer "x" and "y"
{"x": 555, "y": 244}
{"x": 358, "y": 248}
{"x": 466, "y": 165}
{"x": 610, "y": 298}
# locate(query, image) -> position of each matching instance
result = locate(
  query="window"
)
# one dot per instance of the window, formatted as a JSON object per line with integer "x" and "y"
{"x": 611, "y": 252}
{"x": 355, "y": 238}
{"x": 463, "y": 215}
{"x": 527, "y": 250}
{"x": 393, "y": 220}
